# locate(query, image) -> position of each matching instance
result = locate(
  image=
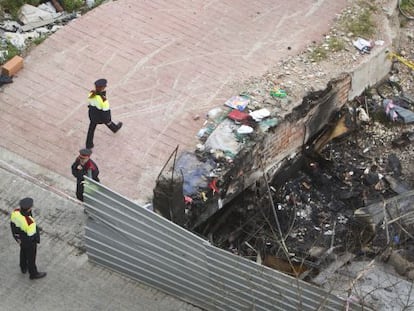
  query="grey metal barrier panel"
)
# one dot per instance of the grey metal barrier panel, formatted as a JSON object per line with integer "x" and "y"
{"x": 263, "y": 288}
{"x": 137, "y": 242}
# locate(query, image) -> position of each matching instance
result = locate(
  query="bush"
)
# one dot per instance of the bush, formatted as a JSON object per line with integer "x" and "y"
{"x": 13, "y": 6}
{"x": 11, "y": 51}
{"x": 73, "y": 5}
{"x": 361, "y": 25}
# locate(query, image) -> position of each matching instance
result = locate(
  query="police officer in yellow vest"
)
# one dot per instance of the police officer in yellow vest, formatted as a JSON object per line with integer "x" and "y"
{"x": 99, "y": 112}
{"x": 26, "y": 234}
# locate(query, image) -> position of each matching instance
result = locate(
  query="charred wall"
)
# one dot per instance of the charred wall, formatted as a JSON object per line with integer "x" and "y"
{"x": 288, "y": 138}
{"x": 266, "y": 154}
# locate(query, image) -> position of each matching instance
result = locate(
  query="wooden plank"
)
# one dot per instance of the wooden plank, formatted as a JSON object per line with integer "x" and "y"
{"x": 326, "y": 274}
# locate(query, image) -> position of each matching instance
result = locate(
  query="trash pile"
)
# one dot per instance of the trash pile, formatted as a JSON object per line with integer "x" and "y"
{"x": 226, "y": 131}
{"x": 33, "y": 23}
{"x": 348, "y": 194}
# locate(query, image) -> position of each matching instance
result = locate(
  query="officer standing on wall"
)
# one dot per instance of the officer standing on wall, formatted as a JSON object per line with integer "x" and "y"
{"x": 26, "y": 234}
{"x": 99, "y": 111}
{"x": 82, "y": 166}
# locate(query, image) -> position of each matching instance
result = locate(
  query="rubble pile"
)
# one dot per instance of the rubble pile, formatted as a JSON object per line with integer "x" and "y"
{"x": 347, "y": 197}
{"x": 313, "y": 211}
{"x": 32, "y": 24}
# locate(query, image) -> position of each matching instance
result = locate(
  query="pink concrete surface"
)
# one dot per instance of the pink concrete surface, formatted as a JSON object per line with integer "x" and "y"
{"x": 165, "y": 61}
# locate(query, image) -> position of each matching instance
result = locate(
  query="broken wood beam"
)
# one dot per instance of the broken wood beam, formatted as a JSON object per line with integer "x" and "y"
{"x": 399, "y": 208}
{"x": 57, "y": 6}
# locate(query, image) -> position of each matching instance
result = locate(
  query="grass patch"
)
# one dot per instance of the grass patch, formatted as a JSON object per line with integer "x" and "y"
{"x": 361, "y": 24}
{"x": 12, "y": 6}
{"x": 336, "y": 44}
{"x": 12, "y": 51}
{"x": 318, "y": 54}
{"x": 407, "y": 8}
{"x": 39, "y": 40}
{"x": 8, "y": 51}
{"x": 332, "y": 44}
{"x": 73, "y": 5}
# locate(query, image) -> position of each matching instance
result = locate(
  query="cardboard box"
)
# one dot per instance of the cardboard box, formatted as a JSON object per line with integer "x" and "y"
{"x": 12, "y": 66}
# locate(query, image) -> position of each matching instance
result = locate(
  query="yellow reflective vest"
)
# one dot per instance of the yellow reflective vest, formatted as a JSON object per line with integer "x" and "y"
{"x": 98, "y": 102}
{"x": 25, "y": 224}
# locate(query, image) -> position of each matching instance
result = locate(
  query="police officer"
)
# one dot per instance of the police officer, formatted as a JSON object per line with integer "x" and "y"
{"x": 26, "y": 234}
{"x": 82, "y": 166}
{"x": 99, "y": 111}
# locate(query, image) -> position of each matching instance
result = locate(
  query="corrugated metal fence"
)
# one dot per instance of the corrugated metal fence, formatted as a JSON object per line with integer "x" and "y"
{"x": 132, "y": 240}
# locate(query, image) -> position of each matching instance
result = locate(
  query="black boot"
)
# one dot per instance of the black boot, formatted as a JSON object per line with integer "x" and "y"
{"x": 38, "y": 275}
{"x": 114, "y": 127}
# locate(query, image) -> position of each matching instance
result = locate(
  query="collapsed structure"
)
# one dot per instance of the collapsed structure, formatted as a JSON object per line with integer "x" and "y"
{"x": 304, "y": 188}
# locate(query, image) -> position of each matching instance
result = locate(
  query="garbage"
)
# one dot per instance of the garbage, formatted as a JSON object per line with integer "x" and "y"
{"x": 237, "y": 102}
{"x": 362, "y": 114}
{"x": 396, "y": 113}
{"x": 5, "y": 79}
{"x": 214, "y": 113}
{"x": 266, "y": 124}
{"x": 213, "y": 186}
{"x": 195, "y": 174}
{"x": 223, "y": 138}
{"x": 16, "y": 39}
{"x": 188, "y": 200}
{"x": 90, "y": 3}
{"x": 364, "y": 46}
{"x": 245, "y": 129}
{"x": 239, "y": 116}
{"x": 278, "y": 93}
{"x": 260, "y": 114}
{"x": 202, "y": 132}
{"x": 394, "y": 164}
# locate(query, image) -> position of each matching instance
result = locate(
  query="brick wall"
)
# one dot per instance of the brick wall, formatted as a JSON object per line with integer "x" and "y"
{"x": 287, "y": 138}
{"x": 265, "y": 155}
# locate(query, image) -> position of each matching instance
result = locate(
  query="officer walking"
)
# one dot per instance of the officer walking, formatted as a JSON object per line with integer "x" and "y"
{"x": 99, "y": 111}
{"x": 82, "y": 166}
{"x": 26, "y": 234}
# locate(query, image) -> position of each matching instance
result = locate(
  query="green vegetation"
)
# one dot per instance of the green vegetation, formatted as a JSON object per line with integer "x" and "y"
{"x": 8, "y": 50}
{"x": 407, "y": 8}
{"x": 359, "y": 22}
{"x": 73, "y": 5}
{"x": 318, "y": 54}
{"x": 332, "y": 44}
{"x": 361, "y": 25}
{"x": 335, "y": 44}
{"x": 11, "y": 51}
{"x": 39, "y": 40}
{"x": 13, "y": 6}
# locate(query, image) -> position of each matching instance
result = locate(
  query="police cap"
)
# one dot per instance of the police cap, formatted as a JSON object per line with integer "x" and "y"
{"x": 26, "y": 203}
{"x": 85, "y": 153}
{"x": 101, "y": 82}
